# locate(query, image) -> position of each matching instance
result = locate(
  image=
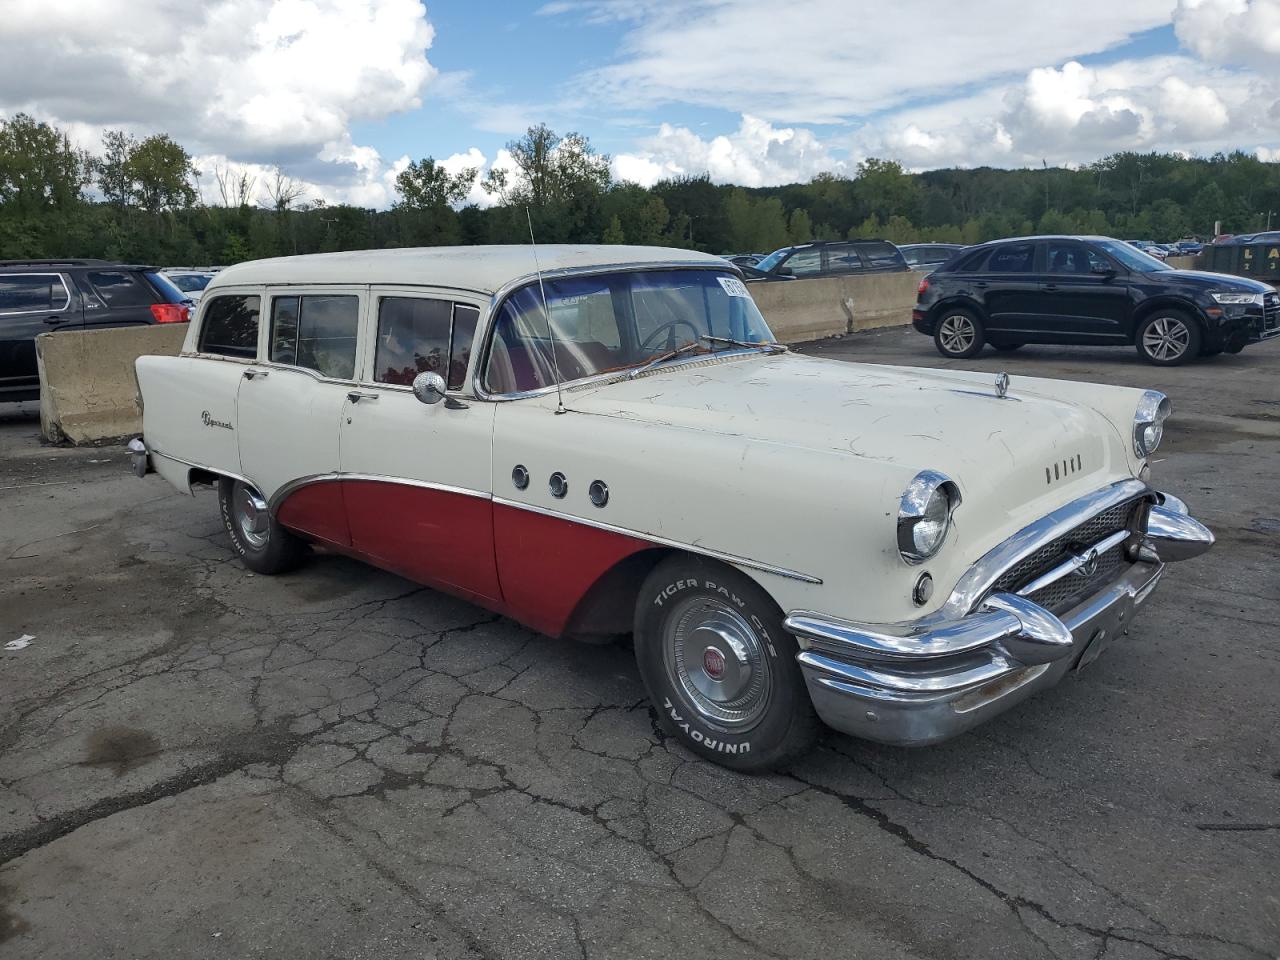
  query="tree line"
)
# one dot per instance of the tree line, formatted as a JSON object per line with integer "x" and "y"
{"x": 144, "y": 201}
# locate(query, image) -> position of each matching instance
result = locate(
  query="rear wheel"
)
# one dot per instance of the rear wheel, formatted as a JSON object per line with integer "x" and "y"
{"x": 959, "y": 334}
{"x": 263, "y": 545}
{"x": 1168, "y": 338}
{"x": 719, "y": 667}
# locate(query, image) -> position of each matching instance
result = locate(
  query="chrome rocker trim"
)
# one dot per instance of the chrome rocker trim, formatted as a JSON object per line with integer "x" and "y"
{"x": 923, "y": 682}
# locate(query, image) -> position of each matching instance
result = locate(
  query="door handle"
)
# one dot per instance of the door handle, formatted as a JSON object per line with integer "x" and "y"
{"x": 52, "y": 320}
{"x": 980, "y": 284}
{"x": 355, "y": 396}
{"x": 255, "y": 374}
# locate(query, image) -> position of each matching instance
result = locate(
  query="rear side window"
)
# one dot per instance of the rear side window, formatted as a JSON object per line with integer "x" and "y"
{"x": 805, "y": 263}
{"x": 417, "y": 335}
{"x": 230, "y": 327}
{"x": 881, "y": 255}
{"x": 317, "y": 333}
{"x": 167, "y": 289}
{"x": 843, "y": 258}
{"x": 28, "y": 293}
{"x": 1015, "y": 258}
{"x": 119, "y": 289}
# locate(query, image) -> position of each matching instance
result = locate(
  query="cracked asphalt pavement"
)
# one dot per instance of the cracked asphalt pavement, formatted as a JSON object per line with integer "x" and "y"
{"x": 199, "y": 762}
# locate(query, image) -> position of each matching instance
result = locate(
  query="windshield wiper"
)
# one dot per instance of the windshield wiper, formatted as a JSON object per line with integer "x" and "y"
{"x": 771, "y": 345}
{"x": 664, "y": 357}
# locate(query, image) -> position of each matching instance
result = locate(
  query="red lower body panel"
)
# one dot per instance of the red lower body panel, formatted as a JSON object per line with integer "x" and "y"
{"x": 531, "y": 567}
{"x": 547, "y": 564}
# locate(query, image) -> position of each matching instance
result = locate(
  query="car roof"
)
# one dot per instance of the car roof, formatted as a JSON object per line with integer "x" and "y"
{"x": 1044, "y": 236}
{"x": 481, "y": 269}
{"x": 71, "y": 264}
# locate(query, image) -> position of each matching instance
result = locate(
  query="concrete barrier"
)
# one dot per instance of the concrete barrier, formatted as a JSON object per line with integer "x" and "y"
{"x": 88, "y": 390}
{"x": 800, "y": 310}
{"x": 1184, "y": 263}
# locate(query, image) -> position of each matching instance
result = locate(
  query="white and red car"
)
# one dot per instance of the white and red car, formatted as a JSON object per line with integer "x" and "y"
{"x": 615, "y": 444}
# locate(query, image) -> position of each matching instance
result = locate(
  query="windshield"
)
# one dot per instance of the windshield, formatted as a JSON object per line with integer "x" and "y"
{"x": 187, "y": 282}
{"x": 616, "y": 321}
{"x": 773, "y": 259}
{"x": 1131, "y": 257}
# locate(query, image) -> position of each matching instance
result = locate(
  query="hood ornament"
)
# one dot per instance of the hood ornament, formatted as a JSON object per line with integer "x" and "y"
{"x": 1002, "y": 385}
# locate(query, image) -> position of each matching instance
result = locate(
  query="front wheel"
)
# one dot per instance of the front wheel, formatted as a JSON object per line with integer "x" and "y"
{"x": 263, "y": 545}
{"x": 959, "y": 334}
{"x": 1168, "y": 338}
{"x": 719, "y": 667}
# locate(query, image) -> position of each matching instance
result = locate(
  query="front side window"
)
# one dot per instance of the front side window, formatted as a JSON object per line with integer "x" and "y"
{"x": 229, "y": 327}
{"x": 1132, "y": 257}
{"x": 804, "y": 263}
{"x": 1065, "y": 256}
{"x": 29, "y": 293}
{"x": 1015, "y": 258}
{"x": 416, "y": 335}
{"x": 615, "y": 321}
{"x": 316, "y": 332}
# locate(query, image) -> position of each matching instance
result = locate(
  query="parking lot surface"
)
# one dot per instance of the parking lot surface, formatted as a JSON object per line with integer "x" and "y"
{"x": 199, "y": 762}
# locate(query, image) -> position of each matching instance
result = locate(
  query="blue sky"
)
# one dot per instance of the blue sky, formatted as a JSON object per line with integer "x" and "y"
{"x": 341, "y": 94}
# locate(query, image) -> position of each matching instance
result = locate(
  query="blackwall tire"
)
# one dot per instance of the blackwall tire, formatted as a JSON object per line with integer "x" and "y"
{"x": 959, "y": 334}
{"x": 1168, "y": 338}
{"x": 719, "y": 667}
{"x": 263, "y": 545}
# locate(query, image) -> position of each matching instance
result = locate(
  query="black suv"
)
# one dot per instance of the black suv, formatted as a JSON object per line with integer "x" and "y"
{"x": 40, "y": 296}
{"x": 1089, "y": 290}
{"x": 835, "y": 258}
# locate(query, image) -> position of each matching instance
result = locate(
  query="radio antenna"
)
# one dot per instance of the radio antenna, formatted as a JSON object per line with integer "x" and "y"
{"x": 551, "y": 333}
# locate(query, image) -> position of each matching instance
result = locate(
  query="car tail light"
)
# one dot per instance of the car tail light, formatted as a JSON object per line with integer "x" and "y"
{"x": 923, "y": 288}
{"x": 170, "y": 313}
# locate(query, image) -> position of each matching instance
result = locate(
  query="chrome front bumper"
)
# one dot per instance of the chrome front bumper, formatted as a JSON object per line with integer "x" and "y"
{"x": 921, "y": 683}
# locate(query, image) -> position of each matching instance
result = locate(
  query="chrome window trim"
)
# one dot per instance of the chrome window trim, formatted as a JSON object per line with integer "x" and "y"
{"x": 507, "y": 289}
{"x": 50, "y": 309}
{"x": 664, "y": 542}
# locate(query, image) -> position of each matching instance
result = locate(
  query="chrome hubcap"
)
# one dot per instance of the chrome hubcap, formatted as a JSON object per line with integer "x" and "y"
{"x": 1166, "y": 339}
{"x": 252, "y": 516}
{"x": 718, "y": 662}
{"x": 957, "y": 333}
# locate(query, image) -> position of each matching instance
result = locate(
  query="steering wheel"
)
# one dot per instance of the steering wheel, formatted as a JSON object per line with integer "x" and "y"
{"x": 671, "y": 340}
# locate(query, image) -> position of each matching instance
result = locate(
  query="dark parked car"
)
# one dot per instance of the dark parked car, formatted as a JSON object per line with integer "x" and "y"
{"x": 835, "y": 258}
{"x": 39, "y": 296}
{"x": 1089, "y": 290}
{"x": 927, "y": 256}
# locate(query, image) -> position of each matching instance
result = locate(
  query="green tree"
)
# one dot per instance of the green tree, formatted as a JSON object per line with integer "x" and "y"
{"x": 39, "y": 168}
{"x": 800, "y": 227}
{"x": 113, "y": 167}
{"x": 613, "y": 233}
{"x": 426, "y": 185}
{"x": 160, "y": 174}
{"x": 884, "y": 189}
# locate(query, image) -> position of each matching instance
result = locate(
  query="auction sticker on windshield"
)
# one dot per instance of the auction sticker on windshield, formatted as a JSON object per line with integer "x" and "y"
{"x": 733, "y": 286}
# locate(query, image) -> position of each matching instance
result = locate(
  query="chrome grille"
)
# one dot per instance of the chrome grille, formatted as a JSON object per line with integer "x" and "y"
{"x": 1070, "y": 590}
{"x": 1271, "y": 315}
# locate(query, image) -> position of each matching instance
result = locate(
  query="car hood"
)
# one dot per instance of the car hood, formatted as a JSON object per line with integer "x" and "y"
{"x": 1204, "y": 280}
{"x": 1024, "y": 447}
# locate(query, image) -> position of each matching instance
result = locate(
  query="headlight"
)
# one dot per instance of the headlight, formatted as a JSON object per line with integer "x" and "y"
{"x": 924, "y": 515}
{"x": 1148, "y": 422}
{"x": 1226, "y": 296}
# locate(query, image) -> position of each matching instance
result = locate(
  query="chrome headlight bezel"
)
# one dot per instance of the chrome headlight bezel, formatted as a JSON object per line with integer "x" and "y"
{"x": 930, "y": 498}
{"x": 1239, "y": 297}
{"x": 1148, "y": 422}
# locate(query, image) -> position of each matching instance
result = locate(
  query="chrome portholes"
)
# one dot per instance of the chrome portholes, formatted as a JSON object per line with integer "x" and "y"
{"x": 519, "y": 476}
{"x": 558, "y": 485}
{"x": 598, "y": 492}
{"x": 718, "y": 663}
{"x": 252, "y": 516}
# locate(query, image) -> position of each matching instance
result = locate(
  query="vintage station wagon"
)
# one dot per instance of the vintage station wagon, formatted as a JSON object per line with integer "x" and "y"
{"x": 615, "y": 444}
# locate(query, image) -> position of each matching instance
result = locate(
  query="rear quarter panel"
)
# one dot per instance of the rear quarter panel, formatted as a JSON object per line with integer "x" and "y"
{"x": 189, "y": 414}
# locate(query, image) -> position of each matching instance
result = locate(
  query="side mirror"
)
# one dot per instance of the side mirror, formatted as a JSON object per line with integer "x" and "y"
{"x": 429, "y": 387}
{"x": 785, "y": 272}
{"x": 1105, "y": 272}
